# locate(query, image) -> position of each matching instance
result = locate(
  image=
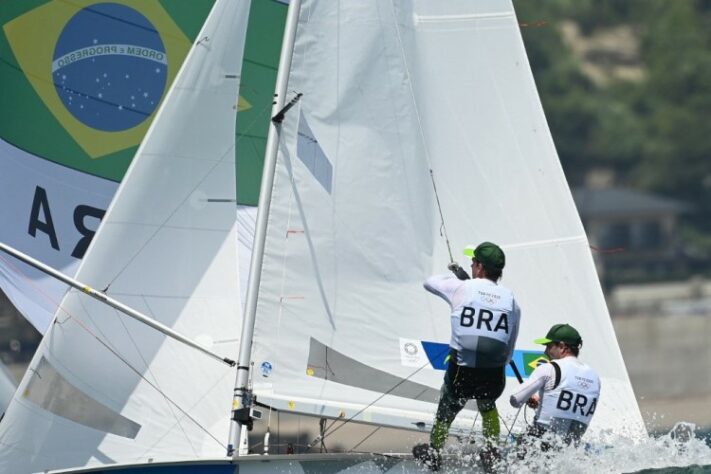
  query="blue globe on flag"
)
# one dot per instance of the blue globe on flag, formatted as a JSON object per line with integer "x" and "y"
{"x": 110, "y": 67}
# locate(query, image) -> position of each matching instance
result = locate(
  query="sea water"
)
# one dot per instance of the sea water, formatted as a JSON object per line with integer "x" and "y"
{"x": 682, "y": 450}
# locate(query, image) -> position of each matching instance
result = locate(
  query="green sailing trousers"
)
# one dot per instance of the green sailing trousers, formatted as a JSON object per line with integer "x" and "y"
{"x": 462, "y": 384}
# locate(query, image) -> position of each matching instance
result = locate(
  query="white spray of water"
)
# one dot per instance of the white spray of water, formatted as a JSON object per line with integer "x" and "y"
{"x": 606, "y": 452}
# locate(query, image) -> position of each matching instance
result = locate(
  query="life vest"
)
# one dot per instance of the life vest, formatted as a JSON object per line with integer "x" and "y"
{"x": 575, "y": 396}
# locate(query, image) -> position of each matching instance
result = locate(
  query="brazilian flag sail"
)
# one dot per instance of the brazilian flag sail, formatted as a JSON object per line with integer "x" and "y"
{"x": 82, "y": 81}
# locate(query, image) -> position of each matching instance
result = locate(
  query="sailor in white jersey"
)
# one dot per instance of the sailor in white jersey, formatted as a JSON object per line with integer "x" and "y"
{"x": 564, "y": 391}
{"x": 485, "y": 321}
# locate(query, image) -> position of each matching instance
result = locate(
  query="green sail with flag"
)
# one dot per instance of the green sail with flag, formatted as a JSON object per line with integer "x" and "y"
{"x": 82, "y": 82}
{"x": 84, "y": 79}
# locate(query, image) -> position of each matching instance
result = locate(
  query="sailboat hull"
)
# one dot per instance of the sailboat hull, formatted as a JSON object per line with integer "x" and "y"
{"x": 308, "y": 463}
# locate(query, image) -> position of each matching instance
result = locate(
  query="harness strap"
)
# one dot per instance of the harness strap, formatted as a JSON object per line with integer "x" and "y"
{"x": 556, "y": 367}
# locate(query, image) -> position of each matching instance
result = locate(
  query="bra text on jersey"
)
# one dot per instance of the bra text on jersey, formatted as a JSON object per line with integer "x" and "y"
{"x": 484, "y": 318}
{"x": 581, "y": 404}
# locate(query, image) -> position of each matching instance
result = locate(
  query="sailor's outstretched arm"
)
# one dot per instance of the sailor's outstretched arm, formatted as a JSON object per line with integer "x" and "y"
{"x": 444, "y": 286}
{"x": 535, "y": 383}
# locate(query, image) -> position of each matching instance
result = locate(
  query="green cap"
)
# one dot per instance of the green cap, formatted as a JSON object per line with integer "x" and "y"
{"x": 561, "y": 333}
{"x": 488, "y": 254}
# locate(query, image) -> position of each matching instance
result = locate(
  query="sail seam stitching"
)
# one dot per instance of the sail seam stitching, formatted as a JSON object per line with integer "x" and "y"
{"x": 455, "y": 18}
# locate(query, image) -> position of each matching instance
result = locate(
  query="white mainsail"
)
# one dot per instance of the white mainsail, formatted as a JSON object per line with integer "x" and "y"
{"x": 392, "y": 90}
{"x": 103, "y": 388}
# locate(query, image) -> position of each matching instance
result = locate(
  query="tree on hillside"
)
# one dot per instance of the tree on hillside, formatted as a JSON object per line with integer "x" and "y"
{"x": 676, "y": 157}
{"x": 654, "y": 134}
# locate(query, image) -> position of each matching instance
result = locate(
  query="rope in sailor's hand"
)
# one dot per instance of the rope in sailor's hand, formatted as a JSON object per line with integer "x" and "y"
{"x": 441, "y": 216}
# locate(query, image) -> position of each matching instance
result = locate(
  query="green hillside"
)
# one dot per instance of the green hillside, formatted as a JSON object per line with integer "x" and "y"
{"x": 626, "y": 88}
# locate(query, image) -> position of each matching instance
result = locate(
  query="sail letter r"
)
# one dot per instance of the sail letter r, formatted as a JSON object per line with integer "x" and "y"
{"x": 81, "y": 212}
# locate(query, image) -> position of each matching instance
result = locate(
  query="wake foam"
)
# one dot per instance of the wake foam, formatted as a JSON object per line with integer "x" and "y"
{"x": 605, "y": 452}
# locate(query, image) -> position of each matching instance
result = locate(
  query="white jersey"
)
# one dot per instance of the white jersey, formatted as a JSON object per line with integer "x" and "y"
{"x": 485, "y": 319}
{"x": 575, "y": 397}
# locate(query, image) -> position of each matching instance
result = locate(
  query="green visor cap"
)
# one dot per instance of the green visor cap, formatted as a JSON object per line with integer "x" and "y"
{"x": 561, "y": 333}
{"x": 488, "y": 254}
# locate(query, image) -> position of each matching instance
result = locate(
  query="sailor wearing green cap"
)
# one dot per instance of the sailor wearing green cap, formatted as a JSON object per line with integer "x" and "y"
{"x": 565, "y": 391}
{"x": 484, "y": 322}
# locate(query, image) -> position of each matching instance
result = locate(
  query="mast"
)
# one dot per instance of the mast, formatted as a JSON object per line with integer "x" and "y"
{"x": 242, "y": 397}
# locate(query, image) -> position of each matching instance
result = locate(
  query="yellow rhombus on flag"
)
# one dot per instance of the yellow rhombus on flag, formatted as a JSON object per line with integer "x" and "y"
{"x": 536, "y": 362}
{"x": 33, "y": 38}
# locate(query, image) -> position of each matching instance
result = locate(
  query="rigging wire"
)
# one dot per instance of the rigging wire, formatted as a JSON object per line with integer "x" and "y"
{"x": 421, "y": 132}
{"x": 514, "y": 421}
{"x": 505, "y": 425}
{"x": 533, "y": 24}
{"x": 145, "y": 364}
{"x": 328, "y": 432}
{"x": 31, "y": 283}
{"x": 159, "y": 227}
{"x": 104, "y": 343}
{"x": 365, "y": 439}
{"x": 525, "y": 419}
{"x": 612, "y": 250}
{"x": 441, "y": 216}
{"x": 137, "y": 372}
{"x": 150, "y": 371}
{"x": 473, "y": 424}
